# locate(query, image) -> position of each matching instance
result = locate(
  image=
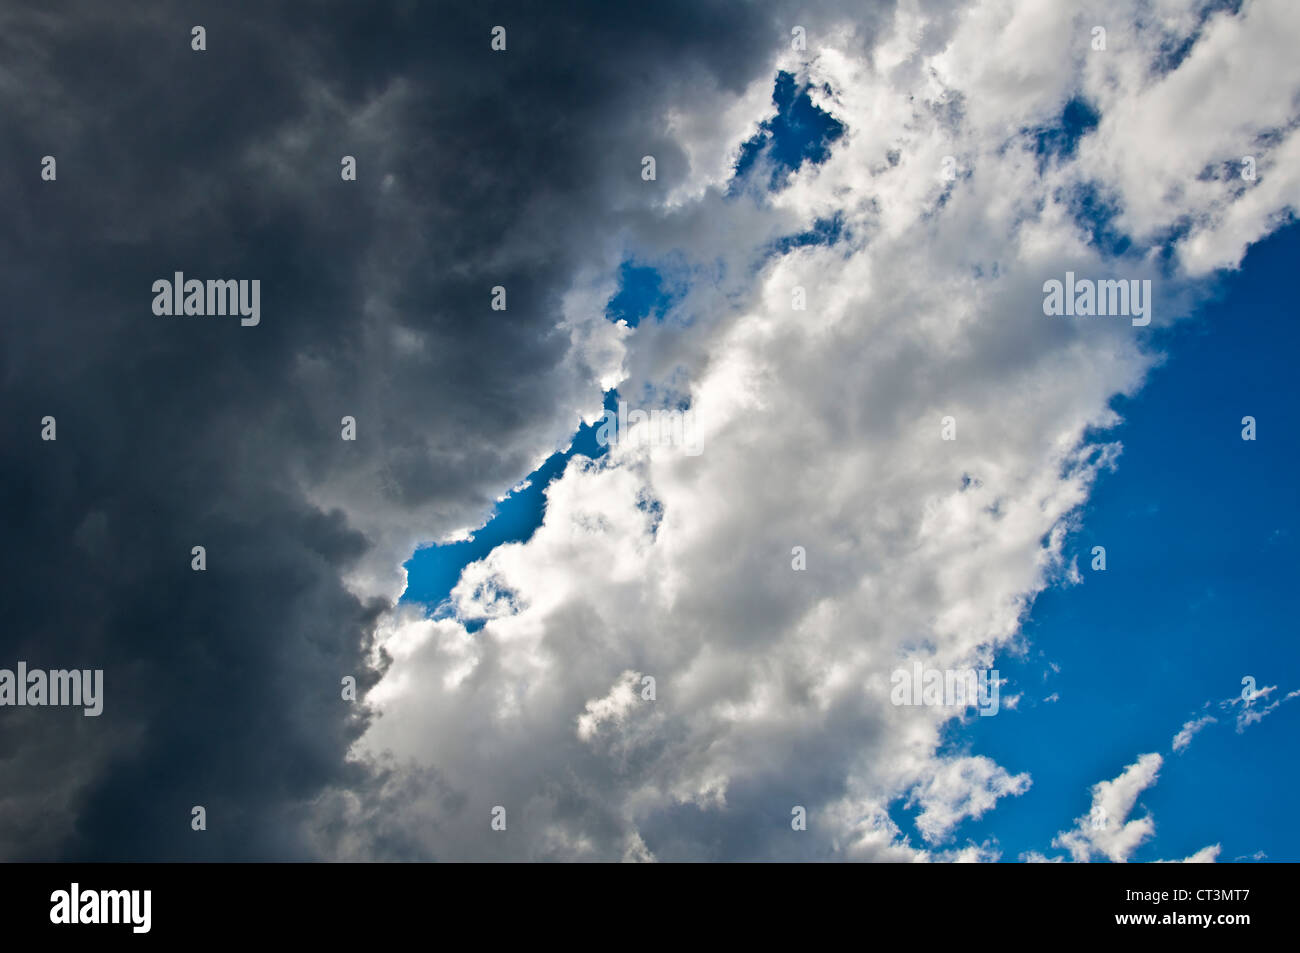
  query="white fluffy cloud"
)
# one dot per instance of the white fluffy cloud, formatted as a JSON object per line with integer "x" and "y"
{"x": 1185, "y": 734}
{"x": 1255, "y": 709}
{"x": 822, "y": 429}
{"x": 960, "y": 788}
{"x": 1106, "y": 830}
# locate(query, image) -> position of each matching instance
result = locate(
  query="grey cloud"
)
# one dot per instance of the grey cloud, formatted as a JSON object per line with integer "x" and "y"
{"x": 475, "y": 170}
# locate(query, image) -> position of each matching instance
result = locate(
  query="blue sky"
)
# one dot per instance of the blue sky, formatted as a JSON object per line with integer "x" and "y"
{"x": 1200, "y": 534}
{"x": 432, "y": 572}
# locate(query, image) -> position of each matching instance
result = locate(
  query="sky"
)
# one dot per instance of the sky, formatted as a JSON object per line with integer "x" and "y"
{"x": 1199, "y": 533}
{"x": 573, "y": 641}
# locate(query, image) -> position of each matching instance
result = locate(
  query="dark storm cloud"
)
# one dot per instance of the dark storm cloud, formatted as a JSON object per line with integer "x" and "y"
{"x": 475, "y": 169}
